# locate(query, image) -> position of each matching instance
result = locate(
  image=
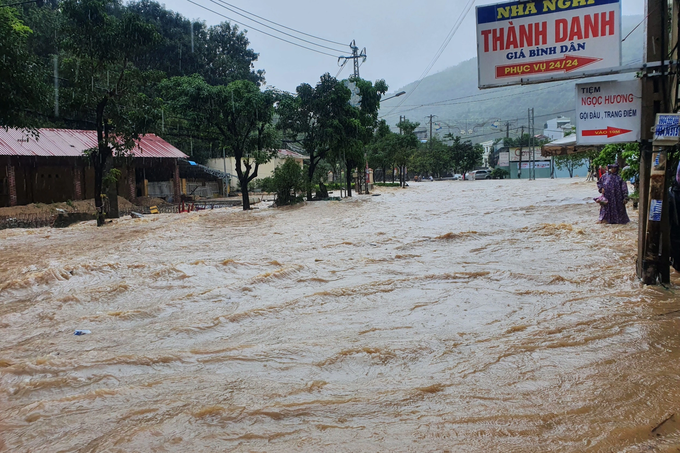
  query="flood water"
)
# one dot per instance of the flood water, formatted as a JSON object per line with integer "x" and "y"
{"x": 453, "y": 316}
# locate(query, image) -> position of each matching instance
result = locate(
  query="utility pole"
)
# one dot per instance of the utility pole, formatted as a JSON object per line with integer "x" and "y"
{"x": 519, "y": 166}
{"x": 356, "y": 55}
{"x": 654, "y": 230}
{"x": 532, "y": 151}
{"x": 430, "y": 136}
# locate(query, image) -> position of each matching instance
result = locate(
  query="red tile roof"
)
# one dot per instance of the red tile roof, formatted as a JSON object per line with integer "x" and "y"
{"x": 72, "y": 143}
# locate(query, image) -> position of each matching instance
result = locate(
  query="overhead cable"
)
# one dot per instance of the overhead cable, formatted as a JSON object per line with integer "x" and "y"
{"x": 260, "y": 31}
{"x": 439, "y": 52}
{"x": 283, "y": 26}
{"x": 221, "y": 4}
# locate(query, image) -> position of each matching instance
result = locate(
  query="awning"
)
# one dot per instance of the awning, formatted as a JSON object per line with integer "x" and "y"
{"x": 566, "y": 145}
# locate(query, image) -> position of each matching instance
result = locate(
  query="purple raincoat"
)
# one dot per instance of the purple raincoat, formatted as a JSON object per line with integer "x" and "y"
{"x": 616, "y": 191}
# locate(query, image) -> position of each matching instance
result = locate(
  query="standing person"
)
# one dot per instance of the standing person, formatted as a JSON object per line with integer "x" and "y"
{"x": 615, "y": 190}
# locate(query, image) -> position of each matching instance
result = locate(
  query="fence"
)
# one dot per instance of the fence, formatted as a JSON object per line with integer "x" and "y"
{"x": 48, "y": 219}
{"x": 27, "y": 221}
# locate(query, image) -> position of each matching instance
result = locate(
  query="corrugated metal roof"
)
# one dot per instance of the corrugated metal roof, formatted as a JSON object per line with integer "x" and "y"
{"x": 289, "y": 153}
{"x": 72, "y": 143}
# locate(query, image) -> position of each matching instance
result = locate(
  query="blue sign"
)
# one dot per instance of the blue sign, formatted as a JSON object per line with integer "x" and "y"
{"x": 667, "y": 128}
{"x": 655, "y": 210}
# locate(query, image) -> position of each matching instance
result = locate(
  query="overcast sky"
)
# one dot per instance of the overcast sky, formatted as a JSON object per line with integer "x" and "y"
{"x": 401, "y": 36}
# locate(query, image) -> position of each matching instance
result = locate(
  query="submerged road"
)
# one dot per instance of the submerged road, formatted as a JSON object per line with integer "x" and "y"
{"x": 449, "y": 316}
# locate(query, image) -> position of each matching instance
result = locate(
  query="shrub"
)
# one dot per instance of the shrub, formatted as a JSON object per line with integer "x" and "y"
{"x": 499, "y": 173}
{"x": 286, "y": 181}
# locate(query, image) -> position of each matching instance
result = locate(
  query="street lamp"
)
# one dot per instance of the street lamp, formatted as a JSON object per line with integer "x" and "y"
{"x": 401, "y": 93}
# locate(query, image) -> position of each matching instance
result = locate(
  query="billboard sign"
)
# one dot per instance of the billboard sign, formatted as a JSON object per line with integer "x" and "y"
{"x": 522, "y": 41}
{"x": 503, "y": 159}
{"x": 608, "y": 112}
{"x": 527, "y": 154}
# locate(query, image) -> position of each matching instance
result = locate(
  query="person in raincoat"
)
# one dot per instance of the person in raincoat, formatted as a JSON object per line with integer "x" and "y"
{"x": 615, "y": 190}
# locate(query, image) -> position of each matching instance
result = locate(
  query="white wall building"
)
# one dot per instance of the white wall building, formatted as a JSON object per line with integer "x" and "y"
{"x": 557, "y": 127}
{"x": 488, "y": 149}
{"x": 228, "y": 165}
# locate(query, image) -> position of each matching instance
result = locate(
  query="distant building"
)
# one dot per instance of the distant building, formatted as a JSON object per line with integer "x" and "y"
{"x": 422, "y": 133}
{"x": 228, "y": 165}
{"x": 556, "y": 128}
{"x": 491, "y": 150}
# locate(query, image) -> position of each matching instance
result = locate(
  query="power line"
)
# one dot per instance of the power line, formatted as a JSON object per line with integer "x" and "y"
{"x": 518, "y": 127}
{"x": 221, "y": 3}
{"x": 281, "y": 25}
{"x": 441, "y": 49}
{"x": 263, "y": 32}
{"x": 449, "y": 101}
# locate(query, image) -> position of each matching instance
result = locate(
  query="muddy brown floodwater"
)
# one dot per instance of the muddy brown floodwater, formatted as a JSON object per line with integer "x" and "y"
{"x": 450, "y": 316}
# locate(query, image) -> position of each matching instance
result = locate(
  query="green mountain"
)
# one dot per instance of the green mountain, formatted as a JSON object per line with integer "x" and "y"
{"x": 452, "y": 95}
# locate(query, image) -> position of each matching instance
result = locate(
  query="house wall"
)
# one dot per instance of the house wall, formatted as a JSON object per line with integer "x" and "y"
{"x": 59, "y": 179}
{"x": 263, "y": 171}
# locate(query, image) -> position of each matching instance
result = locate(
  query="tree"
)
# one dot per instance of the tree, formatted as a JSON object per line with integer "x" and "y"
{"x": 315, "y": 118}
{"x": 286, "y": 181}
{"x": 99, "y": 43}
{"x": 361, "y": 126}
{"x": 21, "y": 85}
{"x": 239, "y": 113}
{"x": 433, "y": 159}
{"x": 405, "y": 145}
{"x": 219, "y": 53}
{"x": 569, "y": 162}
{"x": 378, "y": 151}
{"x": 465, "y": 157}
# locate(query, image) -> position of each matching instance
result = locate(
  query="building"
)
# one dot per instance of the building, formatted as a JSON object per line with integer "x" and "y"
{"x": 491, "y": 147}
{"x": 52, "y": 166}
{"x": 557, "y": 128}
{"x": 228, "y": 165}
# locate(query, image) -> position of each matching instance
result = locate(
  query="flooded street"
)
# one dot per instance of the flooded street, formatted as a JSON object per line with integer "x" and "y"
{"x": 449, "y": 316}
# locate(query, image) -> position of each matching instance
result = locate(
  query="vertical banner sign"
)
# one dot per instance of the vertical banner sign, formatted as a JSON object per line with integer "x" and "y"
{"x": 550, "y": 39}
{"x": 608, "y": 112}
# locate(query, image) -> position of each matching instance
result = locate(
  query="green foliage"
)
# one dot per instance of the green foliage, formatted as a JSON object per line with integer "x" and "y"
{"x": 111, "y": 177}
{"x": 465, "y": 156}
{"x": 628, "y": 152}
{"x": 286, "y": 181}
{"x": 569, "y": 162}
{"x": 21, "y": 84}
{"x": 499, "y": 173}
{"x": 434, "y": 158}
{"x": 220, "y": 53}
{"x": 524, "y": 141}
{"x": 387, "y": 184}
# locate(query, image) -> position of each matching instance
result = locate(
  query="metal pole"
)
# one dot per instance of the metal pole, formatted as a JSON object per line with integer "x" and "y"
{"x": 519, "y": 166}
{"x": 56, "y": 85}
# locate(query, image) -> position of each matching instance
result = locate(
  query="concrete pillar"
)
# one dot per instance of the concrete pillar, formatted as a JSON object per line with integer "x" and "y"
{"x": 12, "y": 182}
{"x": 77, "y": 183}
{"x": 176, "y": 184}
